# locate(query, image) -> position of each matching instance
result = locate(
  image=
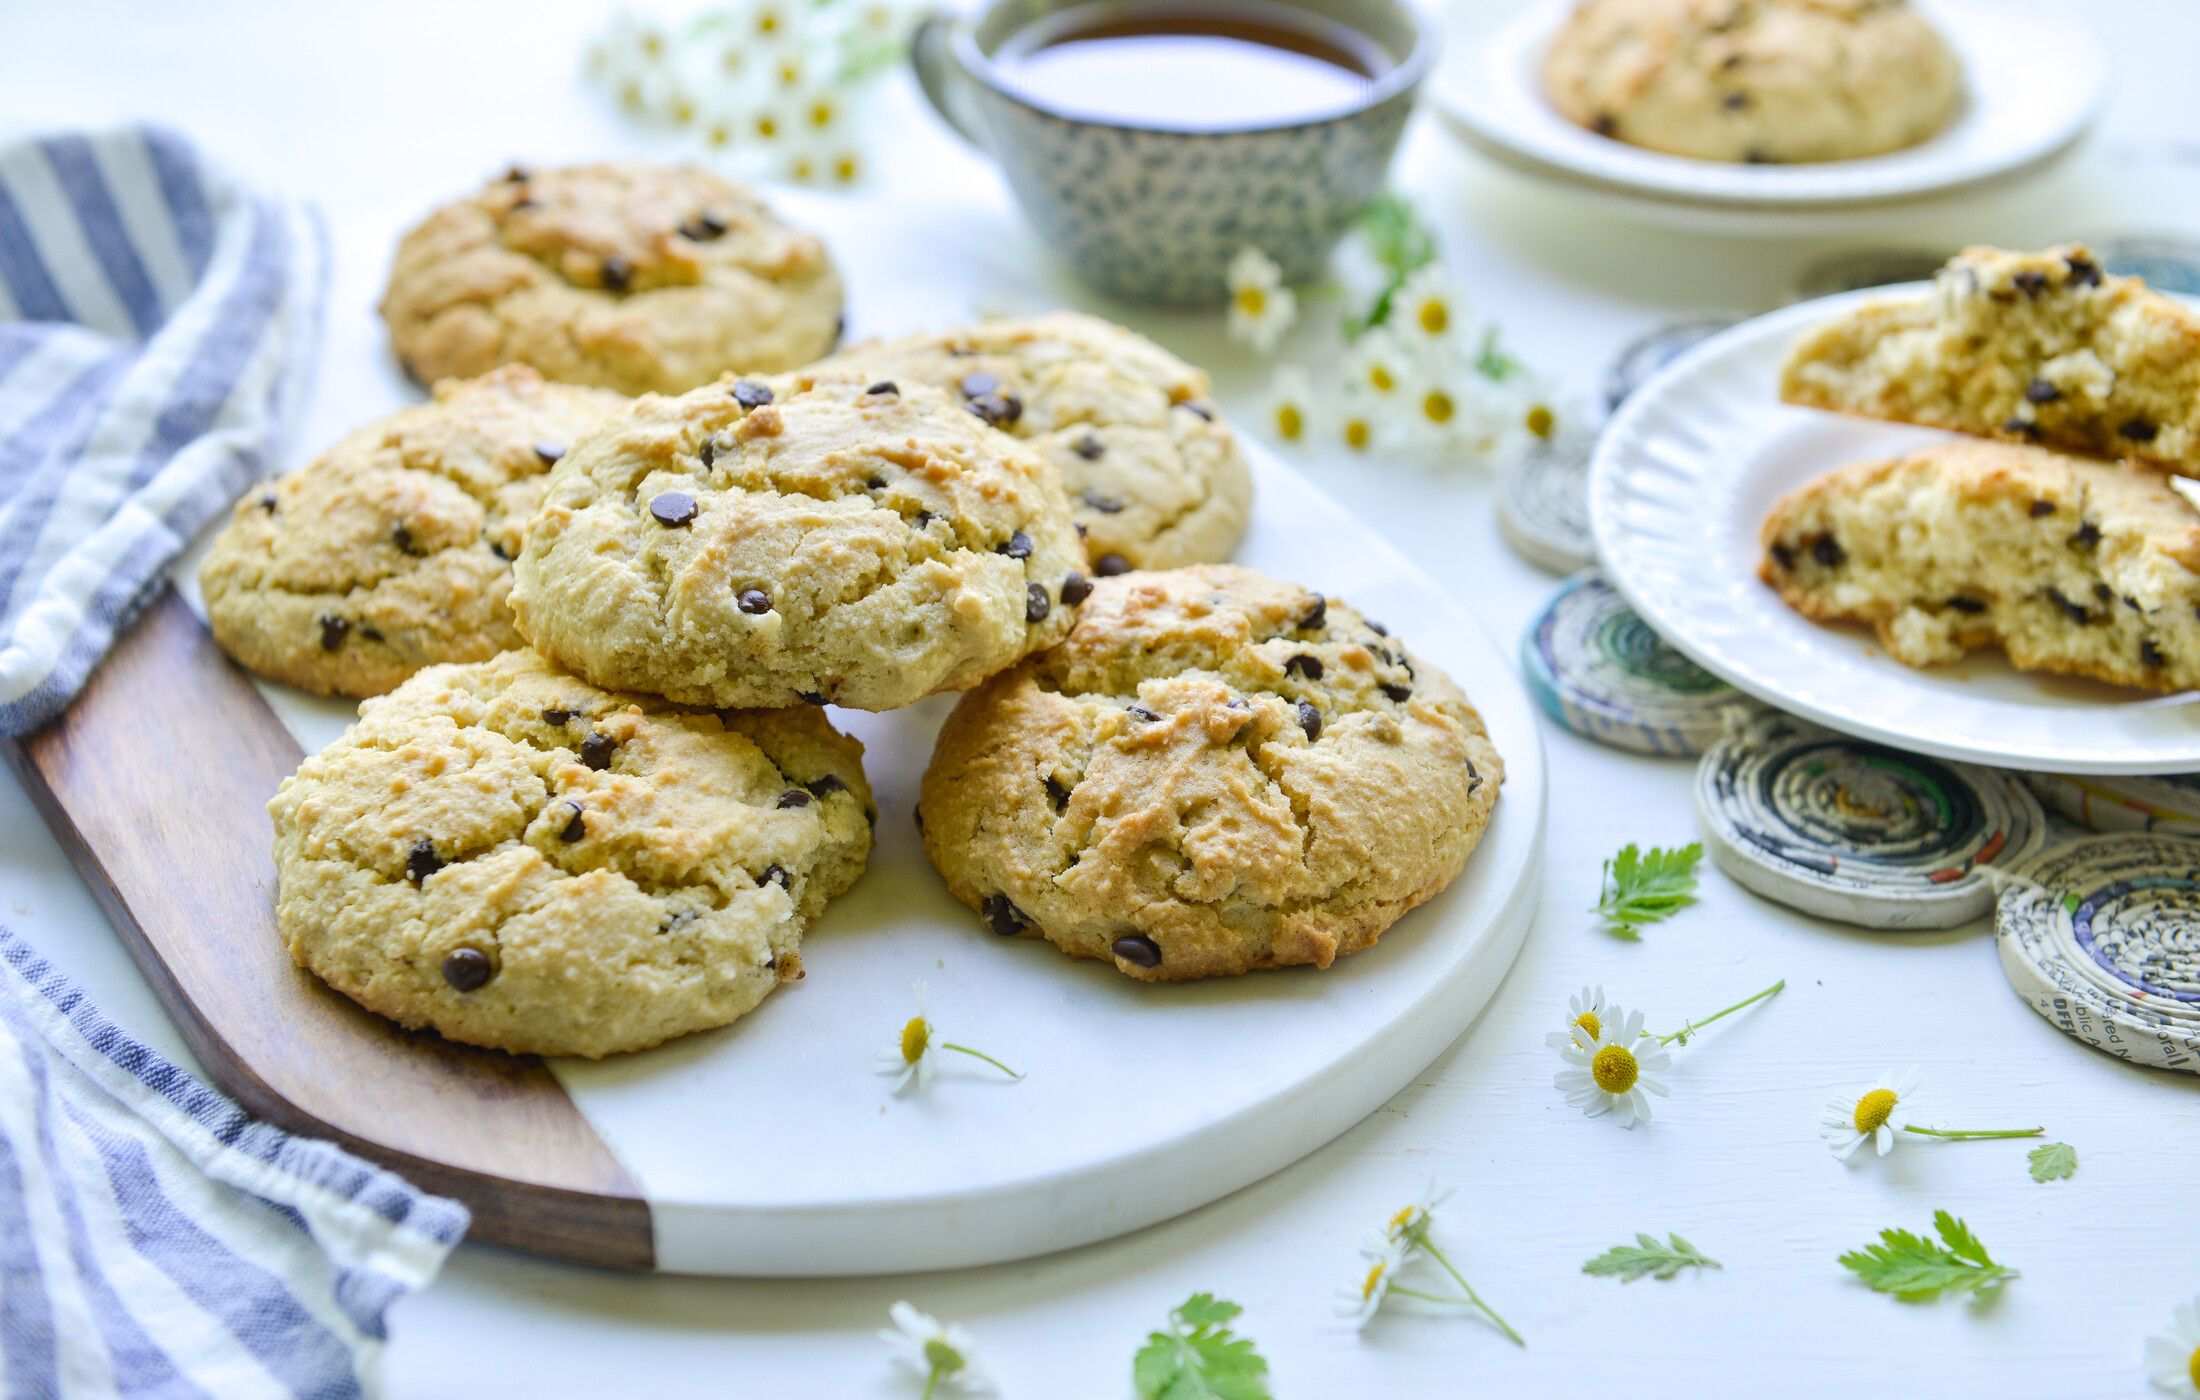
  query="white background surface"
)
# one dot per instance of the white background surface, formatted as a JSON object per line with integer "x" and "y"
{"x": 378, "y": 111}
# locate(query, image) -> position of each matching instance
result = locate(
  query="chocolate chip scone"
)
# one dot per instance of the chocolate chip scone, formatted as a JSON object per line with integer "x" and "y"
{"x": 1215, "y": 772}
{"x": 2030, "y": 347}
{"x": 1154, "y": 476}
{"x": 523, "y": 861}
{"x": 2067, "y": 564}
{"x": 1754, "y": 80}
{"x": 640, "y": 278}
{"x": 799, "y": 539}
{"x": 392, "y": 550}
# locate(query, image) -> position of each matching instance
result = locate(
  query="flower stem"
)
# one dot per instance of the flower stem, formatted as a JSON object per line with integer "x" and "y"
{"x": 1420, "y": 1236}
{"x": 1404, "y": 1292}
{"x": 931, "y": 1383}
{"x": 1692, "y": 1027}
{"x": 979, "y": 1055}
{"x": 1973, "y": 1132}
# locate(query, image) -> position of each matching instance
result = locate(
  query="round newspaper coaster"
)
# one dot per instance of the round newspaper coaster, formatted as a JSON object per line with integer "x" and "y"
{"x": 1857, "y": 832}
{"x": 2170, "y": 805}
{"x": 2167, "y": 263}
{"x": 2102, "y": 937}
{"x": 1653, "y": 350}
{"x": 1598, "y": 669}
{"x": 1543, "y": 505}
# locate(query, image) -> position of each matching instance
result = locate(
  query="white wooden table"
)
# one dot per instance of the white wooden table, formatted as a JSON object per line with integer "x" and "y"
{"x": 376, "y": 111}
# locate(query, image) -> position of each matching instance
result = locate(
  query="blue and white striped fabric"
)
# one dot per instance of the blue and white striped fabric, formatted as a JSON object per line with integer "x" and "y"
{"x": 156, "y": 1242}
{"x": 158, "y": 324}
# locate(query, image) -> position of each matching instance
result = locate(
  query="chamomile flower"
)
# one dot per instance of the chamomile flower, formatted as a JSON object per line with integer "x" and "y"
{"x": 1584, "y": 1019}
{"x": 1613, "y": 1073}
{"x": 634, "y": 60}
{"x": 1409, "y": 1224}
{"x": 769, "y": 22}
{"x": 1291, "y": 405}
{"x": 1379, "y": 366}
{"x": 1261, "y": 307}
{"x": 818, "y": 112}
{"x": 1358, "y": 1299}
{"x": 1426, "y": 307}
{"x": 1357, "y": 425}
{"x": 940, "y": 1354}
{"x": 1851, "y": 1120}
{"x": 2173, "y": 1357}
{"x": 1438, "y": 411}
{"x": 1389, "y": 1252}
{"x": 914, "y": 1055}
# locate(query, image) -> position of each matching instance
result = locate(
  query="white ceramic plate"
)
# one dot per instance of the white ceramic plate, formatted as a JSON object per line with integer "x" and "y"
{"x": 773, "y": 1147}
{"x": 1681, "y": 480}
{"x": 2035, "y": 77}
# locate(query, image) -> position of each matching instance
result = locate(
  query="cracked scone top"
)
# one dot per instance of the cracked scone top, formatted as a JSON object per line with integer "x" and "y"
{"x": 523, "y": 861}
{"x": 392, "y": 550}
{"x": 636, "y": 277}
{"x": 1155, "y": 478}
{"x": 1754, "y": 80}
{"x": 798, "y": 540}
{"x": 1215, "y": 772}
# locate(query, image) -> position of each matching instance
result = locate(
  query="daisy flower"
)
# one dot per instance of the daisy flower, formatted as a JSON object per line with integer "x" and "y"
{"x": 1426, "y": 306}
{"x": 1612, "y": 1073}
{"x": 634, "y": 59}
{"x": 1584, "y": 1019}
{"x": 914, "y": 1056}
{"x": 1388, "y": 1252}
{"x": 1378, "y": 365}
{"x": 1357, "y": 1301}
{"x": 1261, "y": 307}
{"x": 2173, "y": 1357}
{"x": 1851, "y": 1120}
{"x": 1356, "y": 425}
{"x": 1291, "y": 405}
{"x": 941, "y": 1353}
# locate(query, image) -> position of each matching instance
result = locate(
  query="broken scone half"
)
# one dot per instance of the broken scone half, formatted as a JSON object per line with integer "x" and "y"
{"x": 2069, "y": 565}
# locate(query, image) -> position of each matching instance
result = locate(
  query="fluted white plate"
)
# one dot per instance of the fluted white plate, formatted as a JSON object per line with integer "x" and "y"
{"x": 2035, "y": 78}
{"x": 1682, "y": 479}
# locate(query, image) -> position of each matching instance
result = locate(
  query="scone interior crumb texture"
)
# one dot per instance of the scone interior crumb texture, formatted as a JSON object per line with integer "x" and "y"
{"x": 2029, "y": 347}
{"x": 1155, "y": 477}
{"x": 523, "y": 861}
{"x": 1754, "y": 80}
{"x": 635, "y": 277}
{"x": 2071, "y": 565}
{"x": 392, "y": 550}
{"x": 799, "y": 539}
{"x": 1215, "y": 772}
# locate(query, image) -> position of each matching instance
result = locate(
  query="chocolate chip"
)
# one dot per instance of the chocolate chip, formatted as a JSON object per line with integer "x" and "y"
{"x": 2103, "y": 592}
{"x": 1317, "y": 613}
{"x": 1961, "y": 604}
{"x": 750, "y": 394}
{"x": 402, "y": 536}
{"x": 1137, "y": 949}
{"x": 1106, "y": 505}
{"x": 885, "y": 388}
{"x": 775, "y": 875}
{"x": 1735, "y": 101}
{"x": 596, "y": 750}
{"x": 754, "y": 601}
{"x": 825, "y": 786}
{"x": 1109, "y": 565}
{"x": 1140, "y": 712}
{"x": 1605, "y": 124}
{"x": 497, "y": 548}
{"x": 1057, "y": 795}
{"x": 924, "y": 518}
{"x": 1376, "y": 627}
{"x": 1398, "y": 694}
{"x": 466, "y": 969}
{"x": 2023, "y": 428}
{"x": 918, "y": 813}
{"x": 422, "y": 861}
{"x": 2084, "y": 273}
{"x": 1017, "y": 547}
{"x": 333, "y": 629}
{"x": 1089, "y": 448}
{"x": 370, "y": 634}
{"x": 978, "y": 383}
{"x": 2132, "y": 603}
{"x": 549, "y": 451}
{"x": 2151, "y": 654}
{"x": 2086, "y": 536}
{"x": 703, "y": 228}
{"x": 516, "y": 174}
{"x": 1076, "y": 588}
{"x": 1828, "y": 551}
{"x": 2137, "y": 430}
{"x": 1000, "y": 410}
{"x": 2040, "y": 391}
{"x": 2030, "y": 282}
{"x": 2040, "y": 508}
{"x": 576, "y": 828}
{"x": 618, "y": 273}
{"x": 1474, "y": 778}
{"x": 2075, "y": 611}
{"x": 1197, "y": 410}
{"x": 556, "y": 716}
{"x": 793, "y": 798}
{"x": 876, "y": 483}
{"x": 1310, "y": 720}
{"x": 1784, "y": 556}
{"x": 810, "y": 697}
{"x": 1304, "y": 665}
{"x": 267, "y": 503}
{"x": 1003, "y": 917}
{"x": 673, "y": 508}
{"x": 1756, "y": 156}
{"x": 1036, "y": 603}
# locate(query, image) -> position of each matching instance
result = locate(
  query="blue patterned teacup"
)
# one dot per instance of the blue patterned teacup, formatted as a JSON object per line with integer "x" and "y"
{"x": 1155, "y": 211}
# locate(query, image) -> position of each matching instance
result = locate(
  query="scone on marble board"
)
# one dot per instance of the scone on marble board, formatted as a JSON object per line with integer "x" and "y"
{"x": 1155, "y": 477}
{"x": 2041, "y": 348}
{"x": 392, "y": 550}
{"x": 636, "y": 277}
{"x": 520, "y": 860}
{"x": 1759, "y": 81}
{"x": 1215, "y": 772}
{"x": 799, "y": 539}
{"x": 2065, "y": 563}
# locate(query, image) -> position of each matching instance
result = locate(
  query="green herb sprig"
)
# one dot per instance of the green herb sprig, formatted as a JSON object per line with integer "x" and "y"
{"x": 1642, "y": 887}
{"x": 1646, "y": 1258}
{"x": 1199, "y": 1357}
{"x": 2053, "y": 1162}
{"x": 1915, "y": 1269}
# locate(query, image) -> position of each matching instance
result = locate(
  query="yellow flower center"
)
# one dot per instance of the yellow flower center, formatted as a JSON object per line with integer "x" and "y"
{"x": 822, "y": 113}
{"x": 845, "y": 169}
{"x": 1436, "y": 406}
{"x": 767, "y": 126}
{"x": 1402, "y": 1220}
{"x": 730, "y": 59}
{"x": 630, "y": 93}
{"x": 790, "y": 73}
{"x": 1435, "y": 317}
{"x": 719, "y": 134}
{"x": 1374, "y": 1276}
{"x": 1614, "y": 1069}
{"x": 683, "y": 111}
{"x": 914, "y": 1037}
{"x": 1380, "y": 379}
{"x": 1541, "y": 421}
{"x": 1290, "y": 423}
{"x": 2192, "y": 1368}
{"x": 653, "y": 44}
{"x": 801, "y": 170}
{"x": 1252, "y": 300}
{"x": 1357, "y": 434}
{"x": 1873, "y": 1110}
{"x": 767, "y": 23}
{"x": 1588, "y": 1021}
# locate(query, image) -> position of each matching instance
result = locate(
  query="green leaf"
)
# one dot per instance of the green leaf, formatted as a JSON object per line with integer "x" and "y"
{"x": 1493, "y": 361}
{"x": 1642, "y": 887}
{"x": 2054, "y": 1161}
{"x": 1914, "y": 1269}
{"x": 1646, "y": 1258}
{"x": 1396, "y": 237}
{"x": 1199, "y": 1357}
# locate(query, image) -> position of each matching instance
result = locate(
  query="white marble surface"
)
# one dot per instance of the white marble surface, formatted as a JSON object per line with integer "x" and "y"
{"x": 376, "y": 111}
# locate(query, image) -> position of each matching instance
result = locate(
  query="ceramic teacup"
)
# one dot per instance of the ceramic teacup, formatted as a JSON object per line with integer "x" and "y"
{"x": 1154, "y": 212}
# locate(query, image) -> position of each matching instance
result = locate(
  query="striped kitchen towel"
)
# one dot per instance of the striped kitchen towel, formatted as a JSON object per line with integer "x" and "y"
{"x": 154, "y": 1241}
{"x": 158, "y": 324}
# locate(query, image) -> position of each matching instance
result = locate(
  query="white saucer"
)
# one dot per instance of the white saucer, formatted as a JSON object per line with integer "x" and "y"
{"x": 2036, "y": 79}
{"x": 1681, "y": 481}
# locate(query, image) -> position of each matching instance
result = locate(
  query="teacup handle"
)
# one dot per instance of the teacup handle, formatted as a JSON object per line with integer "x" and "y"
{"x": 932, "y": 56}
